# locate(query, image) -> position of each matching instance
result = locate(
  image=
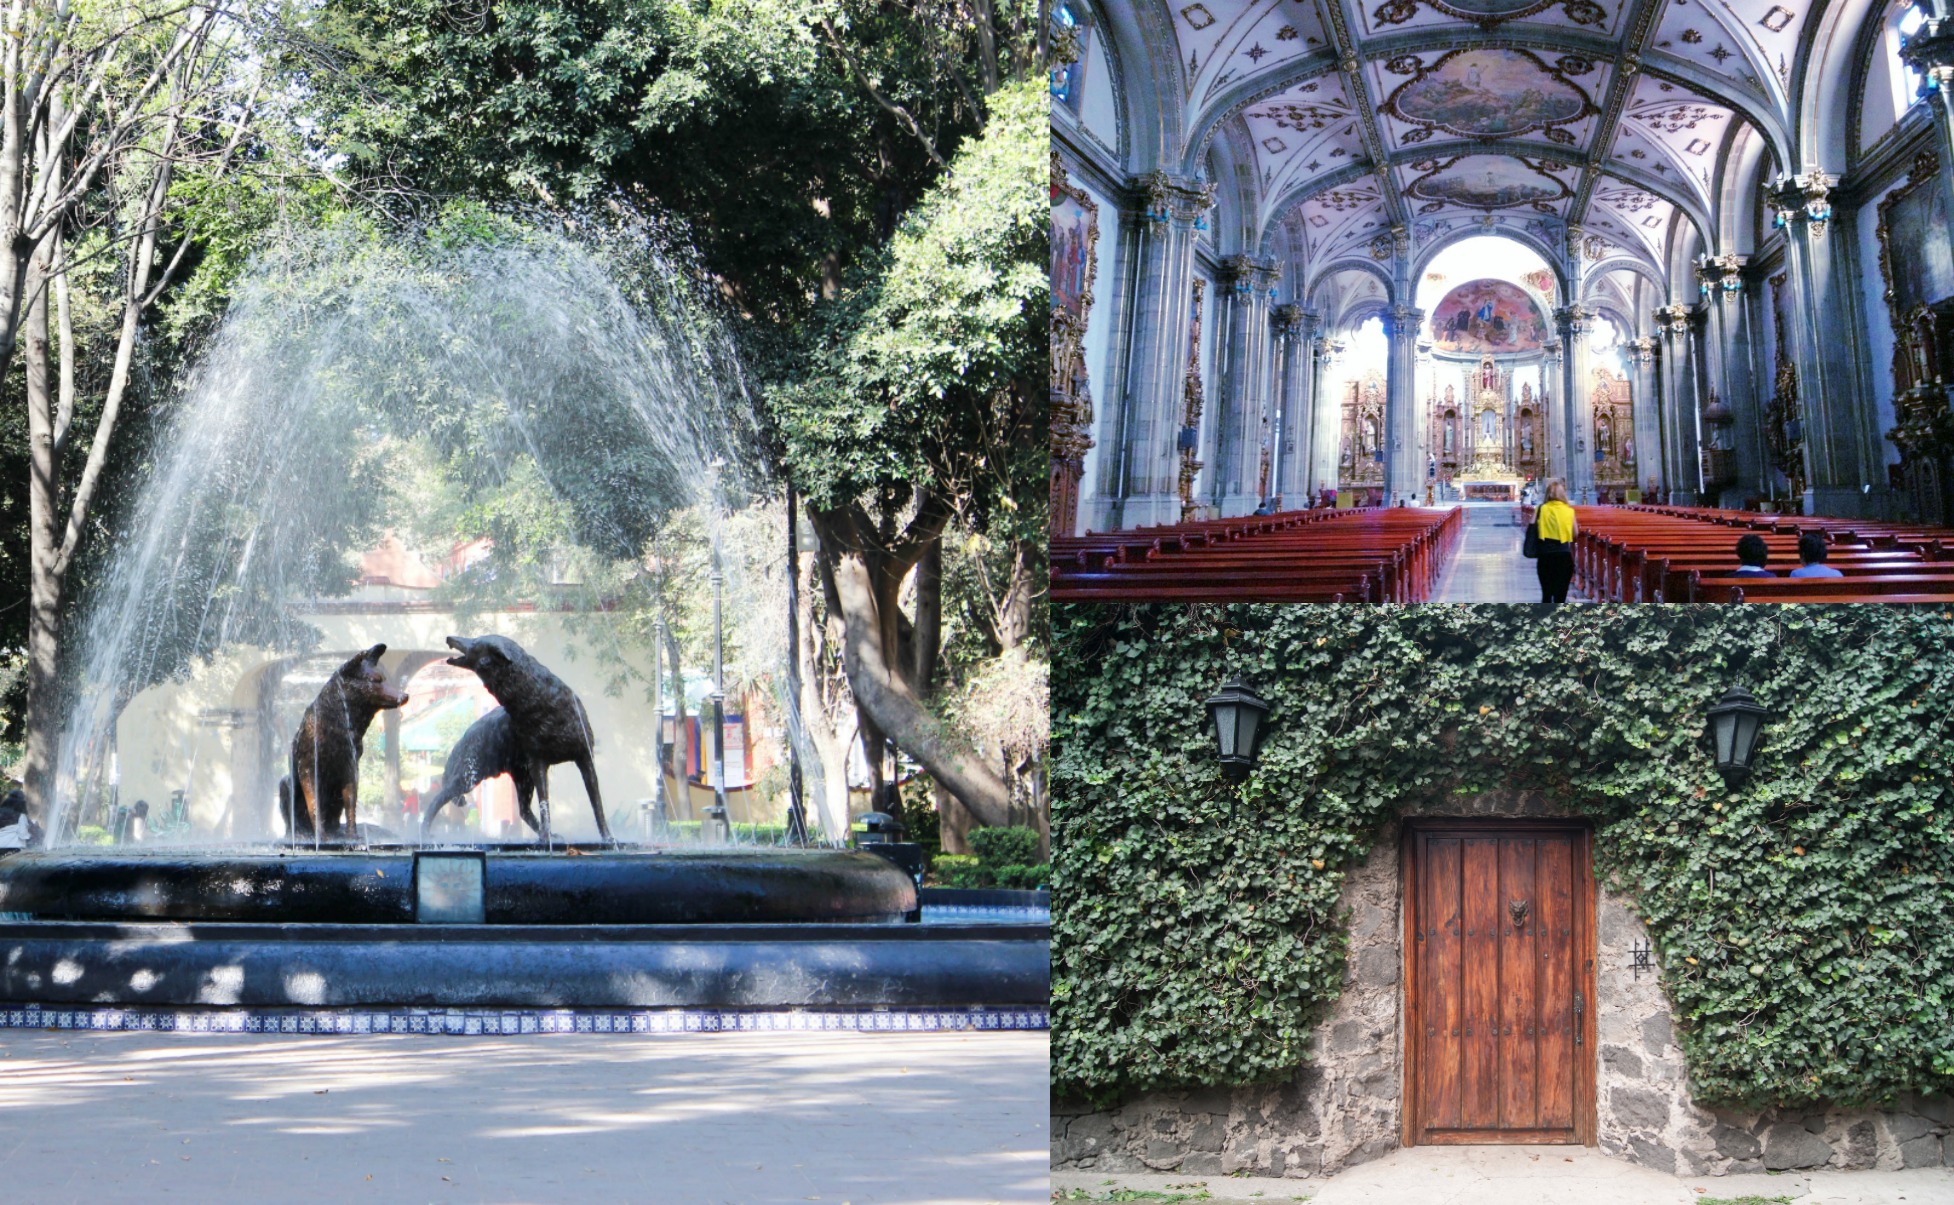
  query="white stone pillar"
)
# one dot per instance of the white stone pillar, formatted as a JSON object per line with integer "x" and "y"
{"x": 1404, "y": 472}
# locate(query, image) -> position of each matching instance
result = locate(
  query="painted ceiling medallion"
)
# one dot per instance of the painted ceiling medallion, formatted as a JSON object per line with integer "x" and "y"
{"x": 1497, "y": 93}
{"x": 1490, "y": 12}
{"x": 1487, "y": 182}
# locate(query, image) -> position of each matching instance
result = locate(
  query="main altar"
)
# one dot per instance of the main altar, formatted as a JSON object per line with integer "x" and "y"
{"x": 1492, "y": 440}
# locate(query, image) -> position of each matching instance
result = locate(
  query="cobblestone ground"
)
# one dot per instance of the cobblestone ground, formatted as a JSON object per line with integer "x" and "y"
{"x": 929, "y": 1119}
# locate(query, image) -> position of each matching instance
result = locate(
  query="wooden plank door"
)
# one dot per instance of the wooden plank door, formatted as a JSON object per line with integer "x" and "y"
{"x": 1499, "y": 934}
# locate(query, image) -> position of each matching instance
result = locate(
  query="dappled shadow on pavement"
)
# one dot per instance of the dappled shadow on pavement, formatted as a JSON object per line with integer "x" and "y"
{"x": 914, "y": 1118}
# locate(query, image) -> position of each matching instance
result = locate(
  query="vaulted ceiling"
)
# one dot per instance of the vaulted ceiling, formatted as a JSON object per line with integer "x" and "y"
{"x": 1356, "y": 118}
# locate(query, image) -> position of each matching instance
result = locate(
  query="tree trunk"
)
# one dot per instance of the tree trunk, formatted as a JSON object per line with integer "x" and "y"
{"x": 44, "y": 560}
{"x": 954, "y": 821}
{"x": 681, "y": 739}
{"x": 857, "y": 577}
{"x": 928, "y": 638}
{"x": 831, "y": 727}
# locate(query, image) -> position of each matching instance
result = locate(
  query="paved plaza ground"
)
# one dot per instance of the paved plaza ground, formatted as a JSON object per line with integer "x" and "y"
{"x": 919, "y": 1119}
{"x": 1515, "y": 1175}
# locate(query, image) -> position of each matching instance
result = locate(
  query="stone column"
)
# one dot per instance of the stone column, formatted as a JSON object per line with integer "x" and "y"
{"x": 1404, "y": 473}
{"x": 1326, "y": 422}
{"x": 1648, "y": 424}
{"x": 1553, "y": 425}
{"x": 1245, "y": 395}
{"x": 1147, "y": 487}
{"x": 1577, "y": 406}
{"x": 1682, "y": 461}
{"x": 1838, "y": 460}
{"x": 1294, "y": 327}
{"x": 1727, "y": 366}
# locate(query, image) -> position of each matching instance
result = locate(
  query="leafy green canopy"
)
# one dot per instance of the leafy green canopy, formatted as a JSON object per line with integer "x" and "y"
{"x": 726, "y": 113}
{"x": 1197, "y": 935}
{"x": 923, "y": 373}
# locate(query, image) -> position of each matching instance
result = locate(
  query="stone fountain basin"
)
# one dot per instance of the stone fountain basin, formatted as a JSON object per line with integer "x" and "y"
{"x": 520, "y": 885}
{"x": 632, "y": 928}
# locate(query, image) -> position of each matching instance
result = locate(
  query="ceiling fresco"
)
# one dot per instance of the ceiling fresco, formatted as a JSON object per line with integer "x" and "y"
{"x": 1437, "y": 118}
{"x": 1488, "y": 316}
{"x": 1486, "y": 182}
{"x": 1497, "y": 93}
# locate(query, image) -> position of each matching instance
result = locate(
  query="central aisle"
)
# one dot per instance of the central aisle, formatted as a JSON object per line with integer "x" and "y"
{"x": 1488, "y": 567}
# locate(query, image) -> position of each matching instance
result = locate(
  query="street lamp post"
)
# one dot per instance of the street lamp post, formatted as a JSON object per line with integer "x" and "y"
{"x": 656, "y": 812}
{"x": 719, "y": 701}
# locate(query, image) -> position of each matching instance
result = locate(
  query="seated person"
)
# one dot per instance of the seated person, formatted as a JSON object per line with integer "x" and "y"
{"x": 1752, "y": 553}
{"x": 1811, "y": 550}
{"x": 17, "y": 830}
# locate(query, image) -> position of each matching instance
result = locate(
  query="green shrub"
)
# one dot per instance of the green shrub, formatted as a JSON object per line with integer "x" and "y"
{"x": 1022, "y": 877}
{"x": 960, "y": 870}
{"x": 1197, "y": 935}
{"x": 1005, "y": 846}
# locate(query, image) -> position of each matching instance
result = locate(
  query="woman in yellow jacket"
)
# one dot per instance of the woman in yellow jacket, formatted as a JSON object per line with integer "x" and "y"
{"x": 1555, "y": 565}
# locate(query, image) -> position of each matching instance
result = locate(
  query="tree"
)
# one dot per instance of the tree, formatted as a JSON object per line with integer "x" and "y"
{"x": 920, "y": 378}
{"x": 104, "y": 107}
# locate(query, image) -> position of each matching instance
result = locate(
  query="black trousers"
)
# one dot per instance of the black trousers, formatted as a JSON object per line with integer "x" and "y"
{"x": 1556, "y": 570}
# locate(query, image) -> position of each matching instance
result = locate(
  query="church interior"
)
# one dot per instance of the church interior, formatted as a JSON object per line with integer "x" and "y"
{"x": 1690, "y": 258}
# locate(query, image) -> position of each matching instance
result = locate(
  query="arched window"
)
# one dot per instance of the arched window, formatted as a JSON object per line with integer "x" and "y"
{"x": 1603, "y": 335}
{"x": 1069, "y": 35}
{"x": 1908, "y": 85}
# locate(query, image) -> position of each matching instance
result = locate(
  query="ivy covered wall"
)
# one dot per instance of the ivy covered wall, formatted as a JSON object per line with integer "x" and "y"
{"x": 1196, "y": 940}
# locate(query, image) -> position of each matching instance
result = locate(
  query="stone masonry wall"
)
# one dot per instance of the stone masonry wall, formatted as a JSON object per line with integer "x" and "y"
{"x": 1340, "y": 1109}
{"x": 1343, "y": 1107}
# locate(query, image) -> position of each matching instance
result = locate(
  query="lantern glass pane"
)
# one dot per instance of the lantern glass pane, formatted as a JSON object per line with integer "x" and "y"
{"x": 1746, "y": 736}
{"x": 1250, "y": 720}
{"x": 1224, "y": 725}
{"x": 1724, "y": 728}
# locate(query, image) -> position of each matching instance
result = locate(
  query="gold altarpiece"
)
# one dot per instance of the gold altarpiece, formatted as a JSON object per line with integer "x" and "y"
{"x": 1360, "y": 455}
{"x": 1488, "y": 441}
{"x": 1612, "y": 413}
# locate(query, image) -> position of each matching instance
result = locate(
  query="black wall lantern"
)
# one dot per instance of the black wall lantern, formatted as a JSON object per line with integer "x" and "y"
{"x": 1734, "y": 724}
{"x": 1237, "y": 713}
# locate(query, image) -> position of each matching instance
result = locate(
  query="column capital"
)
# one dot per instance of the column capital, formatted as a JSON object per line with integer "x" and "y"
{"x": 1293, "y": 319}
{"x": 1930, "y": 50}
{"x": 1401, "y": 321}
{"x": 1252, "y": 273}
{"x": 1168, "y": 198}
{"x": 1804, "y": 197}
{"x": 1572, "y": 320}
{"x": 1644, "y": 349}
{"x": 1672, "y": 321}
{"x": 1721, "y": 276}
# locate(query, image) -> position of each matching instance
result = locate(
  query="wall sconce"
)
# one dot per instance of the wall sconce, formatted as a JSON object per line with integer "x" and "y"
{"x": 1237, "y": 713}
{"x": 1735, "y": 723}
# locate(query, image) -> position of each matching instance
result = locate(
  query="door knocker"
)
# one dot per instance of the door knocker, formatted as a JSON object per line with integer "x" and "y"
{"x": 1517, "y": 909}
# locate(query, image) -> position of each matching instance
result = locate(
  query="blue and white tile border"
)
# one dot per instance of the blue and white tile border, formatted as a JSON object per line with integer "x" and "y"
{"x": 496, "y": 1022}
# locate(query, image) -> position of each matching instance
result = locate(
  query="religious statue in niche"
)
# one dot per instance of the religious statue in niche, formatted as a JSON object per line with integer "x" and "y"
{"x": 1450, "y": 422}
{"x": 1488, "y": 423}
{"x": 1526, "y": 437}
{"x": 1603, "y": 441}
{"x": 1369, "y": 446}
